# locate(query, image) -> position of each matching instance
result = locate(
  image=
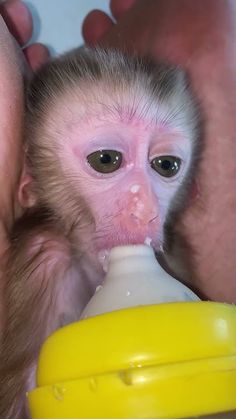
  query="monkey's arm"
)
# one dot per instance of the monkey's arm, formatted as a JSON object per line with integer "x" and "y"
{"x": 35, "y": 283}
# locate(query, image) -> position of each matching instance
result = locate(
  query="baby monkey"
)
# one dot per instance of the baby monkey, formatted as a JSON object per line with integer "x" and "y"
{"x": 111, "y": 142}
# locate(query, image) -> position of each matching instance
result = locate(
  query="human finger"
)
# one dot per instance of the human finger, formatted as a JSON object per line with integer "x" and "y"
{"x": 96, "y": 24}
{"x": 120, "y": 7}
{"x": 36, "y": 55}
{"x": 18, "y": 20}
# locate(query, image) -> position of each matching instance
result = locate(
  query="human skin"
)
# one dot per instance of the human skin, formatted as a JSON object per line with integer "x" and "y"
{"x": 199, "y": 36}
{"x": 12, "y": 69}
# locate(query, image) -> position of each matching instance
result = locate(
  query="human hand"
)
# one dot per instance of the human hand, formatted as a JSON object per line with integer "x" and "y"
{"x": 199, "y": 36}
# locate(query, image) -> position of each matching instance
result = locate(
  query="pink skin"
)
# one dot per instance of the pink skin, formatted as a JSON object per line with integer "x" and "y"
{"x": 199, "y": 35}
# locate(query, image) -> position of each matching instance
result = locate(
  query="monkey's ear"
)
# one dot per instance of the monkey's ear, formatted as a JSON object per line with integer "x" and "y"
{"x": 26, "y": 195}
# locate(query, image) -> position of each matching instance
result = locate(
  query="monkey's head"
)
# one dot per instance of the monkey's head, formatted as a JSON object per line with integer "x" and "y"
{"x": 110, "y": 145}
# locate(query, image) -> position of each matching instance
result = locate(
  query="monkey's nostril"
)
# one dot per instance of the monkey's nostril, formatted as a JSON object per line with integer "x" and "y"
{"x": 134, "y": 217}
{"x": 153, "y": 219}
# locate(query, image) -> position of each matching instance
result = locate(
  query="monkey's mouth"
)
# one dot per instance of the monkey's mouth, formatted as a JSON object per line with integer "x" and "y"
{"x": 102, "y": 245}
{"x": 123, "y": 240}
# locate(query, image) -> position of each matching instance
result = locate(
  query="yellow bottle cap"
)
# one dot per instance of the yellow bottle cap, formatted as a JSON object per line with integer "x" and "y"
{"x": 174, "y": 360}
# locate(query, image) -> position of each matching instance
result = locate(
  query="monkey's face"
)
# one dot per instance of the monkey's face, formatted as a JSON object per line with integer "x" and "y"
{"x": 118, "y": 170}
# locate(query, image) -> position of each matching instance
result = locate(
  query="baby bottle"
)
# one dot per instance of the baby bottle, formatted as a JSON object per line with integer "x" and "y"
{"x": 146, "y": 347}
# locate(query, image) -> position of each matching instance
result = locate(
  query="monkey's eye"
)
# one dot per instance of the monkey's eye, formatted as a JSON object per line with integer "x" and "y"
{"x": 105, "y": 161}
{"x": 167, "y": 166}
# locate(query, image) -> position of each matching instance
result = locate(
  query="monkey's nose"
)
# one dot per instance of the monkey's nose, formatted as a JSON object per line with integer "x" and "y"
{"x": 142, "y": 206}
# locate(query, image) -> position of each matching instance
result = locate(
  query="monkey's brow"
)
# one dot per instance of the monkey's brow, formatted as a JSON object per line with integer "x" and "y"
{"x": 141, "y": 110}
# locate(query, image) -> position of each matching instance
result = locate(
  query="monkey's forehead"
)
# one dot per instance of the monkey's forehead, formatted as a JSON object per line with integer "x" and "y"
{"x": 102, "y": 76}
{"x": 111, "y": 104}
{"x": 103, "y": 101}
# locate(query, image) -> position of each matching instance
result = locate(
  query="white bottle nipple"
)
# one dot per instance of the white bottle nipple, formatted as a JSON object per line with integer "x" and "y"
{"x": 135, "y": 278}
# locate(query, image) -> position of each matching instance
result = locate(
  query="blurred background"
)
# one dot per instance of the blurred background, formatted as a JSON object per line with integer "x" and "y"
{"x": 57, "y": 23}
